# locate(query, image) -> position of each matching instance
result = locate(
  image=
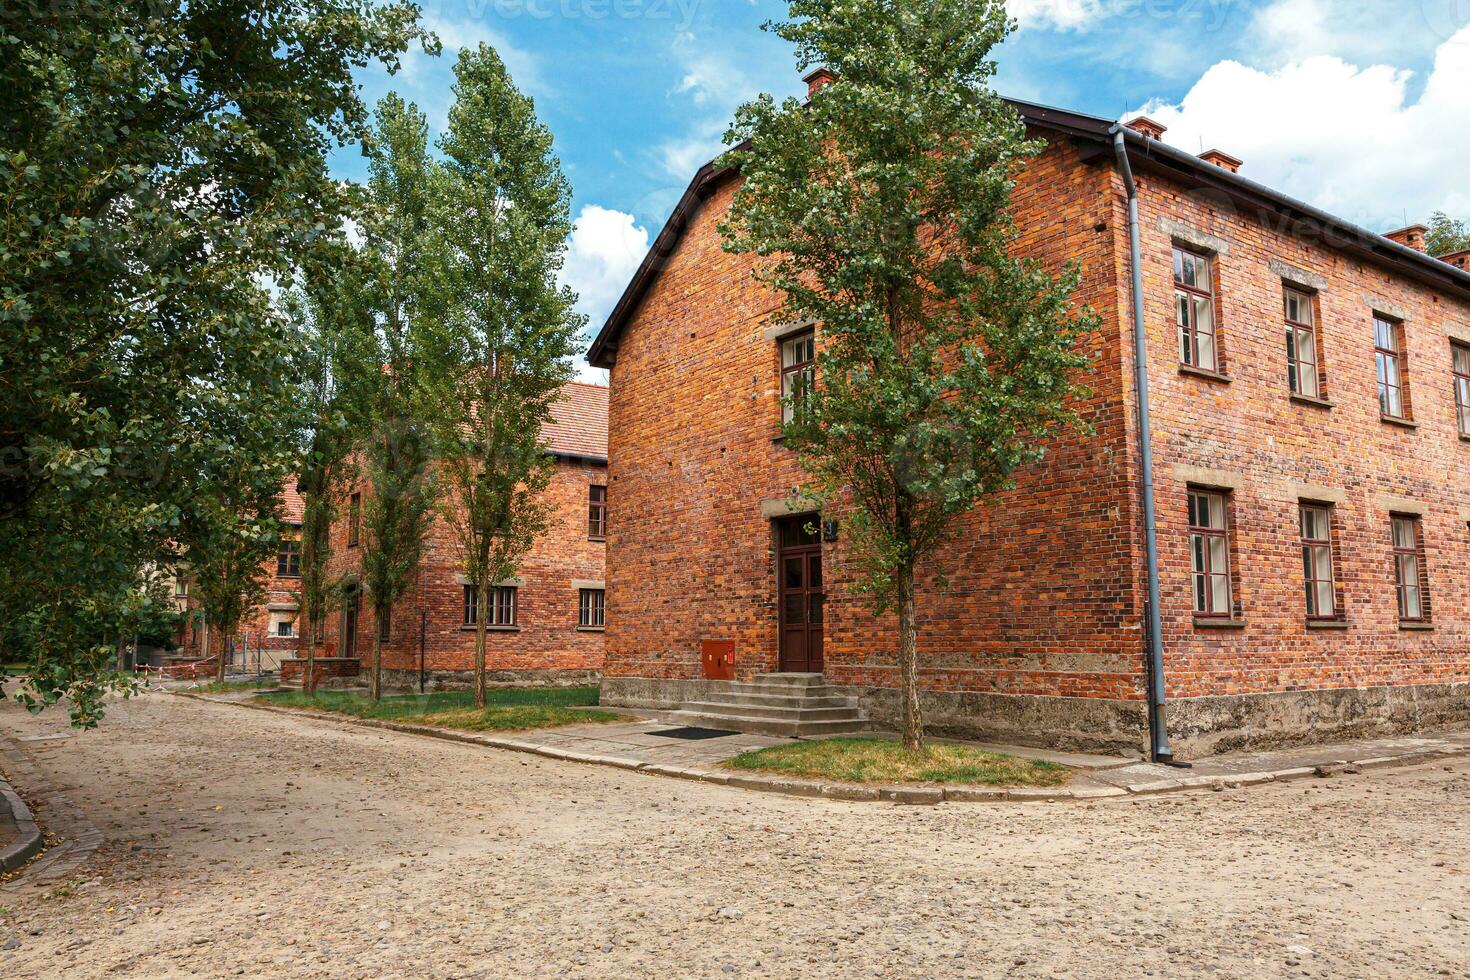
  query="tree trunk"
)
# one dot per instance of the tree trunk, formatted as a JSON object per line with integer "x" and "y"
{"x": 224, "y": 646}
{"x": 908, "y": 661}
{"x": 375, "y": 687}
{"x": 308, "y": 680}
{"x": 482, "y": 609}
{"x": 206, "y": 644}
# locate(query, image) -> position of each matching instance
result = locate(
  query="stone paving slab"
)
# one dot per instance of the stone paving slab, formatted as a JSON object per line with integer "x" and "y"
{"x": 618, "y": 745}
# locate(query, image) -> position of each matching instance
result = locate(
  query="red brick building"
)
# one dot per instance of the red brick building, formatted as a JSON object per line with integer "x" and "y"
{"x": 546, "y": 624}
{"x": 268, "y": 634}
{"x": 1309, "y": 390}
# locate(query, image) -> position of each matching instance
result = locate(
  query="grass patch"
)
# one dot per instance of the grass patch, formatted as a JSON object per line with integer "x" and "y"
{"x": 508, "y": 710}
{"x": 227, "y": 687}
{"x": 881, "y": 760}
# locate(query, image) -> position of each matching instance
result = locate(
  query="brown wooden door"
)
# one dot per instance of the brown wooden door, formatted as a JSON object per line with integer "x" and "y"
{"x": 800, "y": 595}
{"x": 350, "y": 611}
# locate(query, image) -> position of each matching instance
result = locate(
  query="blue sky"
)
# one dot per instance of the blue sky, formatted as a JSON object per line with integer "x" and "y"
{"x": 1361, "y": 107}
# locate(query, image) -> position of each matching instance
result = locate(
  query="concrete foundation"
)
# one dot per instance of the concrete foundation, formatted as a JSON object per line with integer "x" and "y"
{"x": 1197, "y": 726}
{"x": 464, "y": 680}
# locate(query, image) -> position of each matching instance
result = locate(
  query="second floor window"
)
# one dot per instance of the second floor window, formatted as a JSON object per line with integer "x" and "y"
{"x": 597, "y": 512}
{"x": 288, "y": 558}
{"x": 798, "y": 372}
{"x": 1209, "y": 550}
{"x": 285, "y": 629}
{"x": 1317, "y": 561}
{"x": 502, "y": 606}
{"x": 592, "y": 607}
{"x": 1407, "y": 569}
{"x": 1460, "y": 357}
{"x": 354, "y": 520}
{"x": 1388, "y": 349}
{"x": 1194, "y": 310}
{"x": 1301, "y": 345}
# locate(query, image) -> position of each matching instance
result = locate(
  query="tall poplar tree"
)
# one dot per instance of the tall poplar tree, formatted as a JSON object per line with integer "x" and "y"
{"x": 879, "y": 211}
{"x": 507, "y": 330}
{"x": 391, "y": 363}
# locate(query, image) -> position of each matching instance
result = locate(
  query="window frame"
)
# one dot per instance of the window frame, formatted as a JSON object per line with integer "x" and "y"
{"x": 805, "y": 371}
{"x": 1309, "y": 548}
{"x": 288, "y": 549}
{"x": 1395, "y": 355}
{"x": 354, "y": 520}
{"x": 1415, "y": 552}
{"x": 1210, "y": 612}
{"x": 591, "y": 608}
{"x": 499, "y": 604}
{"x": 289, "y": 625}
{"x": 1461, "y": 381}
{"x": 1296, "y": 330}
{"x": 385, "y": 624}
{"x": 1191, "y": 329}
{"x": 597, "y": 512}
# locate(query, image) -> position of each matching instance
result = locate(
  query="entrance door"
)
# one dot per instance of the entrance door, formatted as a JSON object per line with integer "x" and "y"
{"x": 799, "y": 568}
{"x": 351, "y": 607}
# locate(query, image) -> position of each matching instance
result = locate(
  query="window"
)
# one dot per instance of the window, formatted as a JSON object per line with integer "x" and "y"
{"x": 502, "y": 606}
{"x": 385, "y": 624}
{"x": 1194, "y": 310}
{"x": 597, "y": 512}
{"x": 181, "y": 586}
{"x": 1316, "y": 524}
{"x": 1209, "y": 553}
{"x": 288, "y": 558}
{"x": 798, "y": 372}
{"x": 1388, "y": 347}
{"x": 285, "y": 629}
{"x": 592, "y": 608}
{"x": 354, "y": 520}
{"x": 1460, "y": 357}
{"x": 318, "y": 629}
{"x": 1301, "y": 345}
{"x": 1408, "y": 570}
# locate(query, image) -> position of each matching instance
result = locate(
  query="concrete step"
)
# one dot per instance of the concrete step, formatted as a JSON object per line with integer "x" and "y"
{"x": 777, "y": 690}
{"x": 781, "y": 700}
{"x": 791, "y": 680}
{"x": 763, "y": 711}
{"x": 765, "y": 726}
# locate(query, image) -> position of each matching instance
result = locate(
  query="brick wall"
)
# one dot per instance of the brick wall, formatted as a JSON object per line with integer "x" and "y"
{"x": 547, "y": 645}
{"x": 1034, "y": 603}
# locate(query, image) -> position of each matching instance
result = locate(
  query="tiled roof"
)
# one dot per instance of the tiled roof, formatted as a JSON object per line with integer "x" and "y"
{"x": 293, "y": 508}
{"x": 579, "y": 421}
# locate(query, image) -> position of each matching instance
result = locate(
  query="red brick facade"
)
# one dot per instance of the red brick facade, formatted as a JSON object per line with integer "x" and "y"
{"x": 547, "y": 643}
{"x": 1038, "y": 633}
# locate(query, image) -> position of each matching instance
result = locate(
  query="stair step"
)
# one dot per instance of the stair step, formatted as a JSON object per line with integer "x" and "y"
{"x": 765, "y": 726}
{"x": 762, "y": 711}
{"x": 781, "y": 700}
{"x": 779, "y": 690}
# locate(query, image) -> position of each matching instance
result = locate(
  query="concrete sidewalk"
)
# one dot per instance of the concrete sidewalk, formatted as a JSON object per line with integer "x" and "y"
{"x": 645, "y": 746}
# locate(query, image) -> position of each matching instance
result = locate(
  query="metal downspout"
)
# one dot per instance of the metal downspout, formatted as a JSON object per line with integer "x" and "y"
{"x": 1157, "y": 718}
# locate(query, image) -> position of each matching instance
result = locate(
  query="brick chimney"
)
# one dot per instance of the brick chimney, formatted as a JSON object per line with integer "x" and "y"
{"x": 1460, "y": 260}
{"x": 1222, "y": 160}
{"x": 817, "y": 80}
{"x": 1412, "y": 236}
{"x": 1149, "y": 128}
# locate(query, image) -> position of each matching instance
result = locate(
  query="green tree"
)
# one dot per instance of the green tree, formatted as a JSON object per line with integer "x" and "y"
{"x": 324, "y": 307}
{"x": 1446, "y": 235}
{"x": 160, "y": 163}
{"x": 506, "y": 330}
{"x": 392, "y": 362}
{"x": 880, "y": 212}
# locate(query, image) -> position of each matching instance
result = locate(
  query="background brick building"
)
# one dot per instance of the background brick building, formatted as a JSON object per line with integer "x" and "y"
{"x": 1039, "y": 633}
{"x": 550, "y": 627}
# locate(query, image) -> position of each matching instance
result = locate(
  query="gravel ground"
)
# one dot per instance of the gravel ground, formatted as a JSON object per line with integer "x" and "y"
{"x": 247, "y": 843}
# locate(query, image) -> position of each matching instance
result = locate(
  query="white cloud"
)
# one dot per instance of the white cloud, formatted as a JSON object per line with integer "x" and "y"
{"x": 603, "y": 252}
{"x": 1343, "y": 137}
{"x": 1366, "y": 30}
{"x": 1055, "y": 14}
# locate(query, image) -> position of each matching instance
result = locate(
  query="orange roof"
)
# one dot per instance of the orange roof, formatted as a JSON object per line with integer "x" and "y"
{"x": 293, "y": 508}
{"x": 578, "y": 423}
